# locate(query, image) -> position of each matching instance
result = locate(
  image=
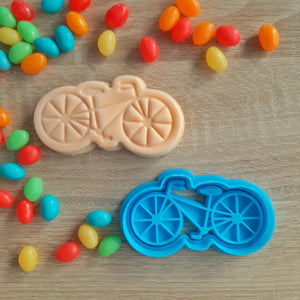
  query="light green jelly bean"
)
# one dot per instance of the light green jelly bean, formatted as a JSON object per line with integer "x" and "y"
{"x": 109, "y": 246}
{"x": 7, "y": 19}
{"x": 19, "y": 51}
{"x": 33, "y": 189}
{"x": 28, "y": 31}
{"x": 17, "y": 140}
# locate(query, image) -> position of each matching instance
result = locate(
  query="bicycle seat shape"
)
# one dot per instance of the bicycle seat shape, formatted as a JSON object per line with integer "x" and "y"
{"x": 73, "y": 119}
{"x": 236, "y": 217}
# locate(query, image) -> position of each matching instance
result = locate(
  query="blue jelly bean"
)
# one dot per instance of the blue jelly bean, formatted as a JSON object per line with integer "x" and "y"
{"x": 12, "y": 171}
{"x": 4, "y": 62}
{"x": 51, "y": 6}
{"x": 64, "y": 38}
{"x": 46, "y": 46}
{"x": 49, "y": 208}
{"x": 98, "y": 218}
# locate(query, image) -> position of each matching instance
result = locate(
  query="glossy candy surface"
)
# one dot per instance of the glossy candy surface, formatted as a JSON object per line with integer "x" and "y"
{"x": 98, "y": 218}
{"x": 34, "y": 63}
{"x": 12, "y": 171}
{"x": 181, "y": 30}
{"x": 33, "y": 189}
{"x": 149, "y": 49}
{"x": 17, "y": 140}
{"x": 64, "y": 38}
{"x": 6, "y": 199}
{"x": 4, "y": 63}
{"x": 79, "y": 5}
{"x": 2, "y": 137}
{"x": 67, "y": 252}
{"x": 228, "y": 35}
{"x": 29, "y": 155}
{"x": 76, "y": 23}
{"x": 107, "y": 43}
{"x": 28, "y": 31}
{"x": 4, "y": 118}
{"x": 9, "y": 36}
{"x": 109, "y": 246}
{"x": 25, "y": 211}
{"x": 189, "y": 8}
{"x": 46, "y": 46}
{"x": 19, "y": 51}
{"x": 49, "y": 208}
{"x": 169, "y": 18}
{"x": 117, "y": 15}
{"x": 21, "y": 10}
{"x": 28, "y": 258}
{"x": 203, "y": 33}
{"x": 88, "y": 236}
{"x": 51, "y": 6}
{"x": 216, "y": 59}
{"x": 268, "y": 37}
{"x": 7, "y": 19}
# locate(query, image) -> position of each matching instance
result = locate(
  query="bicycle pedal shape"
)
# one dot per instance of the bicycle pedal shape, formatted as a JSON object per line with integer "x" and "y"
{"x": 145, "y": 121}
{"x": 236, "y": 217}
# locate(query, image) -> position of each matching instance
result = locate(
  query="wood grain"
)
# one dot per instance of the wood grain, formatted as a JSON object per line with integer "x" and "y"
{"x": 243, "y": 123}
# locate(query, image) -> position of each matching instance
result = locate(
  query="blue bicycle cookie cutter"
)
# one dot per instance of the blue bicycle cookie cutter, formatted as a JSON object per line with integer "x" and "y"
{"x": 236, "y": 218}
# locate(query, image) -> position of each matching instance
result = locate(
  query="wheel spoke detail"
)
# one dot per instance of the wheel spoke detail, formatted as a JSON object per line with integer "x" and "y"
{"x": 167, "y": 229}
{"x": 236, "y": 203}
{"x": 142, "y": 220}
{"x": 170, "y": 219}
{"x": 156, "y": 233}
{"x": 238, "y": 233}
{"x": 246, "y": 208}
{"x": 228, "y": 227}
{"x": 146, "y": 230}
{"x": 244, "y": 224}
{"x": 163, "y": 205}
{"x": 146, "y": 209}
{"x": 166, "y": 208}
{"x": 226, "y": 207}
{"x": 222, "y": 223}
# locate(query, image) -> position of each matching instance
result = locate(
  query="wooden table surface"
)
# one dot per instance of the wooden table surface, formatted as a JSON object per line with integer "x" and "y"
{"x": 243, "y": 123}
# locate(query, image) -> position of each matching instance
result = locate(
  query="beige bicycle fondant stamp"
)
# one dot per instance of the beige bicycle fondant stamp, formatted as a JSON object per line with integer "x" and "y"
{"x": 145, "y": 121}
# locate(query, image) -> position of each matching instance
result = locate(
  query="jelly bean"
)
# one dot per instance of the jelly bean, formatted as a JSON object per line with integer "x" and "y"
{"x": 29, "y": 155}
{"x": 25, "y": 211}
{"x": 17, "y": 140}
{"x": 12, "y": 171}
{"x": 189, "y": 8}
{"x": 2, "y": 137}
{"x": 109, "y": 246}
{"x": 216, "y": 59}
{"x": 268, "y": 37}
{"x": 51, "y": 6}
{"x": 46, "y": 46}
{"x": 28, "y": 31}
{"x": 21, "y": 10}
{"x": 6, "y": 199}
{"x": 33, "y": 189}
{"x": 149, "y": 49}
{"x": 88, "y": 236}
{"x": 9, "y": 36}
{"x": 49, "y": 208}
{"x": 34, "y": 63}
{"x": 77, "y": 23}
{"x": 64, "y": 38}
{"x": 7, "y": 19}
{"x": 67, "y": 252}
{"x": 169, "y": 18}
{"x": 228, "y": 35}
{"x": 4, "y": 62}
{"x": 4, "y": 118}
{"x": 203, "y": 33}
{"x": 98, "y": 218}
{"x": 107, "y": 43}
{"x": 19, "y": 51}
{"x": 28, "y": 258}
{"x": 117, "y": 15}
{"x": 181, "y": 30}
{"x": 79, "y": 5}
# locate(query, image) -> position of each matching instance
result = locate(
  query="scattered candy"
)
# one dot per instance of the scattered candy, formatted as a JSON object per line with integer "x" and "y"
{"x": 9, "y": 36}
{"x": 79, "y": 5}
{"x": 28, "y": 31}
{"x": 268, "y": 37}
{"x": 34, "y": 63}
{"x": 7, "y": 19}
{"x": 51, "y": 6}
{"x": 6, "y": 199}
{"x": 67, "y": 252}
{"x": 17, "y": 140}
{"x": 88, "y": 236}
{"x": 228, "y": 35}
{"x": 181, "y": 30}
{"x": 149, "y": 49}
{"x": 117, "y": 15}
{"x": 76, "y": 23}
{"x": 4, "y": 62}
{"x": 109, "y": 246}
{"x": 64, "y": 38}
{"x": 46, "y": 46}
{"x": 98, "y": 218}
{"x": 21, "y": 10}
{"x": 29, "y": 155}
{"x": 33, "y": 189}
{"x": 107, "y": 43}
{"x": 28, "y": 258}
{"x": 49, "y": 208}
{"x": 12, "y": 171}
{"x": 19, "y": 51}
{"x": 203, "y": 33}
{"x": 189, "y": 8}
{"x": 2, "y": 137}
{"x": 169, "y": 18}
{"x": 216, "y": 59}
{"x": 4, "y": 117}
{"x": 25, "y": 211}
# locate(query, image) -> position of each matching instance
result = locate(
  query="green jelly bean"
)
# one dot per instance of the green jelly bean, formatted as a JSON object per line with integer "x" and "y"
{"x": 33, "y": 189}
{"x": 7, "y": 19}
{"x": 109, "y": 246}
{"x": 28, "y": 31}
{"x": 19, "y": 51}
{"x": 17, "y": 140}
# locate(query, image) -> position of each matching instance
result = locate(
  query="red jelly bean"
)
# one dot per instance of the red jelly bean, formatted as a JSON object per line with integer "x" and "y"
{"x": 6, "y": 199}
{"x": 181, "y": 30}
{"x": 2, "y": 137}
{"x": 79, "y": 5}
{"x": 29, "y": 155}
{"x": 21, "y": 10}
{"x": 67, "y": 252}
{"x": 149, "y": 49}
{"x": 25, "y": 211}
{"x": 117, "y": 15}
{"x": 228, "y": 35}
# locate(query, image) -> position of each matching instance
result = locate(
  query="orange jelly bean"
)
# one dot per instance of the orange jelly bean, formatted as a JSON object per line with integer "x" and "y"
{"x": 268, "y": 37}
{"x": 189, "y": 8}
{"x": 4, "y": 118}
{"x": 34, "y": 63}
{"x": 203, "y": 33}
{"x": 76, "y": 23}
{"x": 169, "y": 18}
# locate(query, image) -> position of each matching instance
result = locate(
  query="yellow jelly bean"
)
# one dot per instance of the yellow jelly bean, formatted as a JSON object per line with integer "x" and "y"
{"x": 216, "y": 59}
{"x": 28, "y": 258}
{"x": 107, "y": 43}
{"x": 88, "y": 236}
{"x": 9, "y": 36}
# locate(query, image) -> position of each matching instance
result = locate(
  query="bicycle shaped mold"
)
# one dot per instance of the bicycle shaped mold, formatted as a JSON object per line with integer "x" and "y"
{"x": 237, "y": 217}
{"x": 145, "y": 121}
